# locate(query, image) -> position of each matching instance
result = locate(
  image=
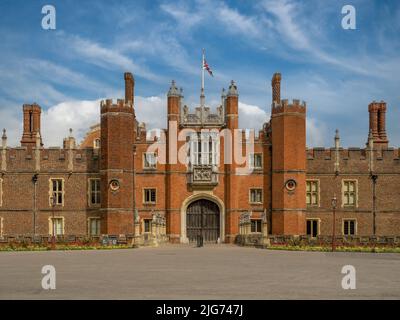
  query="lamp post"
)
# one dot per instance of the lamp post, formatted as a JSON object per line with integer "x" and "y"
{"x": 53, "y": 205}
{"x": 136, "y": 219}
{"x": 374, "y": 177}
{"x": 334, "y": 203}
{"x": 34, "y": 180}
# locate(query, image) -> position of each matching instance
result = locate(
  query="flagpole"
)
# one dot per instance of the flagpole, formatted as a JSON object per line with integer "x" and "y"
{"x": 202, "y": 98}
{"x": 202, "y": 72}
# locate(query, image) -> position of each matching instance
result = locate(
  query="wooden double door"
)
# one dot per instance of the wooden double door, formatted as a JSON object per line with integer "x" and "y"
{"x": 203, "y": 218}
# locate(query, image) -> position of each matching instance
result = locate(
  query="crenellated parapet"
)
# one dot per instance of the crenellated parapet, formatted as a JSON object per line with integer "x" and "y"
{"x": 120, "y": 105}
{"x": 289, "y": 106}
{"x": 352, "y": 160}
{"x": 53, "y": 159}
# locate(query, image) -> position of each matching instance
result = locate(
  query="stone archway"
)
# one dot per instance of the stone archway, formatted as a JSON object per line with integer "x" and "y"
{"x": 202, "y": 218}
{"x": 203, "y": 208}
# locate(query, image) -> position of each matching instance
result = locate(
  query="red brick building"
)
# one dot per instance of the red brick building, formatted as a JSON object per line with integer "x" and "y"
{"x": 199, "y": 176}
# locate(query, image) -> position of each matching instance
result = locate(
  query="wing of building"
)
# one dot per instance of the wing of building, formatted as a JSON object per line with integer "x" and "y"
{"x": 200, "y": 175}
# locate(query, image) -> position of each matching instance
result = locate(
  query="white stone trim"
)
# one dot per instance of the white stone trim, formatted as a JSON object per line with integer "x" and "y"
{"x": 319, "y": 225}
{"x": 88, "y": 221}
{"x": 154, "y": 167}
{"x": 318, "y": 193}
{"x": 51, "y": 225}
{"x": 356, "y": 193}
{"x": 95, "y": 146}
{"x": 355, "y": 225}
{"x": 51, "y": 190}
{"x": 256, "y": 219}
{"x": 143, "y": 226}
{"x": 144, "y": 195}
{"x": 252, "y": 162}
{"x": 262, "y": 195}
{"x": 89, "y": 193}
{"x": 1, "y": 192}
{"x": 207, "y": 196}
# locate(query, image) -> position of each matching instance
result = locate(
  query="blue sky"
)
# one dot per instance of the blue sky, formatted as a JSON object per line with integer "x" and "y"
{"x": 67, "y": 70}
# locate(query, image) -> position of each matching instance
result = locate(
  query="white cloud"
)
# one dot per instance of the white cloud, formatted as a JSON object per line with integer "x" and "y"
{"x": 251, "y": 116}
{"x": 163, "y": 47}
{"x": 284, "y": 12}
{"x": 181, "y": 14}
{"x": 152, "y": 111}
{"x": 10, "y": 121}
{"x": 237, "y": 22}
{"x": 21, "y": 84}
{"x": 55, "y": 73}
{"x": 80, "y": 115}
{"x": 104, "y": 57}
{"x": 316, "y": 133}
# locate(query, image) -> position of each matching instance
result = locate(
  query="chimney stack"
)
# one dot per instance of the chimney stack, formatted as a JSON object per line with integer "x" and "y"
{"x": 31, "y": 125}
{"x": 276, "y": 88}
{"x": 129, "y": 87}
{"x": 377, "y": 124}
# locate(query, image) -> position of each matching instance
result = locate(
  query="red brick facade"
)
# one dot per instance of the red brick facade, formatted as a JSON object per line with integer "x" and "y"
{"x": 287, "y": 200}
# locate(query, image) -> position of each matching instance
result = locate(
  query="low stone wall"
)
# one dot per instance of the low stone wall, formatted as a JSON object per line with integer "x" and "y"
{"x": 252, "y": 240}
{"x": 82, "y": 240}
{"x": 259, "y": 240}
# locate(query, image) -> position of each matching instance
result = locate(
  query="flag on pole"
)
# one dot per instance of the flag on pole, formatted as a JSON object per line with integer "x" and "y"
{"x": 207, "y": 67}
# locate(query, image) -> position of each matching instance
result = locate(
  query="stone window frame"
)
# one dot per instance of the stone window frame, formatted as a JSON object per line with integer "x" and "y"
{"x": 318, "y": 204}
{"x": 355, "y": 226}
{"x": 144, "y": 195}
{"x": 62, "y": 192}
{"x": 1, "y": 192}
{"x": 144, "y": 161}
{"x": 252, "y": 158}
{"x": 89, "y": 225}
{"x": 262, "y": 196}
{"x": 204, "y": 149}
{"x": 318, "y": 225}
{"x": 355, "y": 205}
{"x": 144, "y": 225}
{"x": 95, "y": 144}
{"x": 251, "y": 225}
{"x": 1, "y": 226}
{"x": 89, "y": 193}
{"x": 51, "y": 225}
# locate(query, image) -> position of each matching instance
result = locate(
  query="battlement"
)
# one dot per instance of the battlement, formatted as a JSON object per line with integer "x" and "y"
{"x": 352, "y": 153}
{"x": 22, "y": 159}
{"x": 121, "y": 105}
{"x": 286, "y": 105}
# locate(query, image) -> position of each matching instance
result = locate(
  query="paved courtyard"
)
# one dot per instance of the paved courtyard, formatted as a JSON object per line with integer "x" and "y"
{"x": 185, "y": 272}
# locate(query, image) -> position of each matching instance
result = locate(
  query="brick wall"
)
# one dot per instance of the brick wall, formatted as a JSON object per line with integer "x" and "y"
{"x": 124, "y": 143}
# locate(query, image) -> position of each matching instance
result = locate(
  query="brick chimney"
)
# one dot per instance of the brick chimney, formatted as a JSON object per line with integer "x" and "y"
{"x": 377, "y": 124}
{"x": 276, "y": 88}
{"x": 31, "y": 125}
{"x": 129, "y": 87}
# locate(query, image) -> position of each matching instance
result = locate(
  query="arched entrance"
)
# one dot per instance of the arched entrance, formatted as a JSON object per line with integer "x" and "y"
{"x": 203, "y": 217}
